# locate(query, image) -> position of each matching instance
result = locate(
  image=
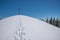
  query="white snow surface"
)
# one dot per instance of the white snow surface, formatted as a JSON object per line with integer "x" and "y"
{"x": 33, "y": 29}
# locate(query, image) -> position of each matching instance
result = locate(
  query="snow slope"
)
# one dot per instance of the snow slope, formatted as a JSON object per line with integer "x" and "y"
{"x": 22, "y": 27}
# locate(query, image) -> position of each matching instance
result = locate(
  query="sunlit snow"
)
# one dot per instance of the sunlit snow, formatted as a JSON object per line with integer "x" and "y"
{"x": 22, "y": 27}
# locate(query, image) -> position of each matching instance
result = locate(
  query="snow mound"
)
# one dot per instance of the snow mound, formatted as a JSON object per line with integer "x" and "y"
{"x": 22, "y": 27}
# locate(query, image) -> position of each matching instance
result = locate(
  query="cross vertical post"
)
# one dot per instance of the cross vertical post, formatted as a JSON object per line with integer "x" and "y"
{"x": 18, "y": 11}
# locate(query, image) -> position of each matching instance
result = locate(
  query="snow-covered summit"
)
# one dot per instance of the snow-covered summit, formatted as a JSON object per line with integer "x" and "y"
{"x": 22, "y": 27}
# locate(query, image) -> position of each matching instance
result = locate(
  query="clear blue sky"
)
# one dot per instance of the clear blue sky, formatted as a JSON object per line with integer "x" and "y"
{"x": 34, "y": 8}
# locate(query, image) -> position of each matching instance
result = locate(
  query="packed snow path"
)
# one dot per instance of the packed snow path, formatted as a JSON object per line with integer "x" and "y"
{"x": 29, "y": 29}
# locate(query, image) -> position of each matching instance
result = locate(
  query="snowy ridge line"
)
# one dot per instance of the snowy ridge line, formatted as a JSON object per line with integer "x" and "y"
{"x": 29, "y": 17}
{"x": 35, "y": 29}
